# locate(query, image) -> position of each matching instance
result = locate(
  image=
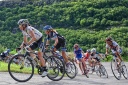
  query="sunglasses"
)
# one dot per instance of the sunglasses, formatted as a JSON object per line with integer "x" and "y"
{"x": 76, "y": 47}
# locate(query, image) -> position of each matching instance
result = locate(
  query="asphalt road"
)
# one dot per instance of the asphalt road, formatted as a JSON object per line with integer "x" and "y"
{"x": 93, "y": 79}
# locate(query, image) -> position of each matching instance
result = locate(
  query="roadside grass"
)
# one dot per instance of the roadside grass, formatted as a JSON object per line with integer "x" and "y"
{"x": 15, "y": 68}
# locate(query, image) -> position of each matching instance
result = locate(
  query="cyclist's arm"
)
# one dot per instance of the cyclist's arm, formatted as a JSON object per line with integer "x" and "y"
{"x": 100, "y": 55}
{"x": 107, "y": 49}
{"x": 33, "y": 38}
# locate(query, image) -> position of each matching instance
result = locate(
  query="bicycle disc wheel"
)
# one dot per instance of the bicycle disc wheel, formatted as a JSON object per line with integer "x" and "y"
{"x": 56, "y": 69}
{"x": 103, "y": 72}
{"x": 20, "y": 68}
{"x": 72, "y": 70}
{"x": 124, "y": 71}
{"x": 115, "y": 70}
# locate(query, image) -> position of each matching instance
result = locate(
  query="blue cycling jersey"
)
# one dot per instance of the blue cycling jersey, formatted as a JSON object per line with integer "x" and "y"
{"x": 78, "y": 52}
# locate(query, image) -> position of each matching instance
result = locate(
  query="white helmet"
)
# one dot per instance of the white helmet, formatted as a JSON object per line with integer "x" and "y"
{"x": 93, "y": 50}
{"x": 23, "y": 21}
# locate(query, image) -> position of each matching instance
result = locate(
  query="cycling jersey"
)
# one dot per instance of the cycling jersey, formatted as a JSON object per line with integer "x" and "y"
{"x": 78, "y": 53}
{"x": 54, "y": 35}
{"x": 37, "y": 33}
{"x": 61, "y": 39}
{"x": 86, "y": 56}
{"x": 114, "y": 47}
{"x": 95, "y": 56}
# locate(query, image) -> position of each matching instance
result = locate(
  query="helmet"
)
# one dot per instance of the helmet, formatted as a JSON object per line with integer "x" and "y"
{"x": 47, "y": 27}
{"x": 88, "y": 51}
{"x": 109, "y": 39}
{"x": 93, "y": 50}
{"x": 8, "y": 50}
{"x": 23, "y": 21}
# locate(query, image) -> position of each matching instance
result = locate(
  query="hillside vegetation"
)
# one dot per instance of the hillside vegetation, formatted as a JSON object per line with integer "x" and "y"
{"x": 87, "y": 22}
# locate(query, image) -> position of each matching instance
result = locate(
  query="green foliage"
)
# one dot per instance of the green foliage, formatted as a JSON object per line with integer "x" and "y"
{"x": 86, "y": 22}
{"x": 89, "y": 39}
{"x": 94, "y": 14}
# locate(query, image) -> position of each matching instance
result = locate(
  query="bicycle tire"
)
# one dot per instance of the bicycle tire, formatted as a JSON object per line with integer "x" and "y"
{"x": 73, "y": 70}
{"x": 124, "y": 72}
{"x": 57, "y": 65}
{"x": 114, "y": 69}
{"x": 13, "y": 68}
{"x": 103, "y": 71}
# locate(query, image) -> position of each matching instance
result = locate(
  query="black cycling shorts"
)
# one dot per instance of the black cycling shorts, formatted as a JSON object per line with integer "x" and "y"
{"x": 61, "y": 44}
{"x": 36, "y": 44}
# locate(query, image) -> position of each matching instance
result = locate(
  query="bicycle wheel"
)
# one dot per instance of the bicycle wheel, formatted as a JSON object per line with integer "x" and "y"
{"x": 103, "y": 71}
{"x": 72, "y": 70}
{"x": 124, "y": 71}
{"x": 98, "y": 70}
{"x": 115, "y": 70}
{"x": 20, "y": 68}
{"x": 56, "y": 69}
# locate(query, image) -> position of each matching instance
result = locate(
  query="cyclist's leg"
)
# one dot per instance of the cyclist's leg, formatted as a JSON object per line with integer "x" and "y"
{"x": 63, "y": 50}
{"x": 32, "y": 47}
{"x": 80, "y": 66}
{"x": 84, "y": 67}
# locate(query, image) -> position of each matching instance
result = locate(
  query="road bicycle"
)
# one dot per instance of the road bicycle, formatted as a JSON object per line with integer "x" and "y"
{"x": 71, "y": 70}
{"x": 118, "y": 67}
{"x": 24, "y": 69}
{"x": 98, "y": 68}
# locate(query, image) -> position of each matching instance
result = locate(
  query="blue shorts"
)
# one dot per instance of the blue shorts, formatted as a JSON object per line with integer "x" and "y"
{"x": 78, "y": 57}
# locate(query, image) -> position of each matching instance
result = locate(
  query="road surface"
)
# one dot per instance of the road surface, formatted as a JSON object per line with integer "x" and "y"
{"x": 93, "y": 79}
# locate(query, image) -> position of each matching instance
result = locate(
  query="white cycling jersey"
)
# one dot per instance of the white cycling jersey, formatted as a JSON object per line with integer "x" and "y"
{"x": 115, "y": 47}
{"x": 37, "y": 33}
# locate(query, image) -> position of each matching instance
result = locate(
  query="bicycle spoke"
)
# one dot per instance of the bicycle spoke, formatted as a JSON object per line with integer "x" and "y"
{"x": 20, "y": 69}
{"x": 115, "y": 70}
{"x": 124, "y": 71}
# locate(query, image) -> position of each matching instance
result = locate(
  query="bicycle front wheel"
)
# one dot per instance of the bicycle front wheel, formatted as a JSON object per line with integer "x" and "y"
{"x": 115, "y": 69}
{"x": 103, "y": 71}
{"x": 20, "y": 68}
{"x": 72, "y": 70}
{"x": 56, "y": 69}
{"x": 124, "y": 71}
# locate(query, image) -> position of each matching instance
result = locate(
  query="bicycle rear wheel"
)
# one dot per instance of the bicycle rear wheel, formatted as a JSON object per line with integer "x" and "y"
{"x": 124, "y": 71}
{"x": 115, "y": 69}
{"x": 20, "y": 68}
{"x": 72, "y": 70}
{"x": 56, "y": 68}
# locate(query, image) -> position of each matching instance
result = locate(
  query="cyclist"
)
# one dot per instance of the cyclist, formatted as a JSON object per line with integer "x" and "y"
{"x": 78, "y": 55}
{"x": 94, "y": 58}
{"x": 5, "y": 55}
{"x": 87, "y": 55}
{"x": 35, "y": 40}
{"x": 59, "y": 41}
{"x": 115, "y": 48}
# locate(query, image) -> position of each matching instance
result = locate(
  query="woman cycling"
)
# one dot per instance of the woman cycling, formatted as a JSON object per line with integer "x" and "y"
{"x": 59, "y": 41}
{"x": 35, "y": 40}
{"x": 78, "y": 55}
{"x": 115, "y": 48}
